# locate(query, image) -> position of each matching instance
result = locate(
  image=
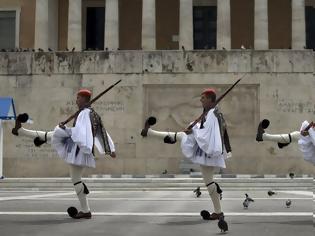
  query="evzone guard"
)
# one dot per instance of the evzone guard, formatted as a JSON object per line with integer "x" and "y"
{"x": 204, "y": 142}
{"x": 305, "y": 138}
{"x": 75, "y": 145}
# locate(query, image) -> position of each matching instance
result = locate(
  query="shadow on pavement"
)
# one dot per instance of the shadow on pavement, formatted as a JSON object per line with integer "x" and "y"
{"x": 40, "y": 222}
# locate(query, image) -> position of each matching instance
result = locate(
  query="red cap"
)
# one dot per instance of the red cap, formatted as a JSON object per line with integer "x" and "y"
{"x": 84, "y": 92}
{"x": 209, "y": 91}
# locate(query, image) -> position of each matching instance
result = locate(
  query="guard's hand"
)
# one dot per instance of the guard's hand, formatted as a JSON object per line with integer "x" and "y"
{"x": 188, "y": 131}
{"x": 304, "y": 133}
{"x": 62, "y": 126}
{"x": 113, "y": 154}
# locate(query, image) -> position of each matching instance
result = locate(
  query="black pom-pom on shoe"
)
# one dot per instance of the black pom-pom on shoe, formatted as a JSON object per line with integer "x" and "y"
{"x": 149, "y": 122}
{"x": 205, "y": 215}
{"x": 264, "y": 124}
{"x": 22, "y": 117}
{"x": 170, "y": 140}
{"x": 72, "y": 212}
{"x": 38, "y": 142}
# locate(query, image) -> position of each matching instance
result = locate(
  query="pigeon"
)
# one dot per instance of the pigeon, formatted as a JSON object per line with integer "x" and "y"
{"x": 67, "y": 49}
{"x": 197, "y": 192}
{"x": 223, "y": 225}
{"x": 183, "y": 48}
{"x": 164, "y": 172}
{"x": 40, "y": 50}
{"x": 223, "y": 48}
{"x": 242, "y": 47}
{"x": 248, "y": 198}
{"x": 50, "y": 50}
{"x": 270, "y": 193}
{"x": 245, "y": 204}
{"x": 73, "y": 49}
{"x": 288, "y": 203}
{"x": 291, "y": 175}
{"x": 247, "y": 201}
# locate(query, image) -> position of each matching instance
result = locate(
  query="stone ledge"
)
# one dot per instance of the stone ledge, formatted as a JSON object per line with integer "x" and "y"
{"x": 167, "y": 61}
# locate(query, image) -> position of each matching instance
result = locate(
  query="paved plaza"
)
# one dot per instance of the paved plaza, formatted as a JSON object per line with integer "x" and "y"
{"x": 145, "y": 211}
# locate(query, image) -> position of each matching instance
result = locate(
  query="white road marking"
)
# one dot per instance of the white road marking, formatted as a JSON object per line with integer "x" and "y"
{"x": 161, "y": 199}
{"x": 304, "y": 193}
{"x": 295, "y": 214}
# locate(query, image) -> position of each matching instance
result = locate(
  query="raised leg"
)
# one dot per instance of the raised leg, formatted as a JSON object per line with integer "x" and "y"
{"x": 282, "y": 139}
{"x": 40, "y": 137}
{"x": 167, "y": 137}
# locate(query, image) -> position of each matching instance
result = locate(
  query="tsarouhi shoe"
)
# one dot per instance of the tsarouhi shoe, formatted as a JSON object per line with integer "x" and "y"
{"x": 149, "y": 122}
{"x": 261, "y": 129}
{"x": 216, "y": 216}
{"x": 21, "y": 118}
{"x": 82, "y": 215}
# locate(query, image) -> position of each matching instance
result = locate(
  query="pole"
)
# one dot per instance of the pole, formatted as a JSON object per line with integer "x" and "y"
{"x": 1, "y": 150}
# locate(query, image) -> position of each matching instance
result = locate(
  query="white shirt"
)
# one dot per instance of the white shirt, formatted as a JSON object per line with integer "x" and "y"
{"x": 204, "y": 146}
{"x": 66, "y": 141}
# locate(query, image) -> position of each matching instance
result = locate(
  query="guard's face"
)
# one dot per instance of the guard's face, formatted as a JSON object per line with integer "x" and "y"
{"x": 81, "y": 101}
{"x": 206, "y": 102}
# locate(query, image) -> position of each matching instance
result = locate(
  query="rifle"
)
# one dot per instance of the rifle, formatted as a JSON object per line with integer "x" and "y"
{"x": 90, "y": 102}
{"x": 304, "y": 132}
{"x": 202, "y": 116}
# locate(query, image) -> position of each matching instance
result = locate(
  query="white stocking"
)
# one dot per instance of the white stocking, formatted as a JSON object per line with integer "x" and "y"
{"x": 76, "y": 174}
{"x": 207, "y": 174}
{"x": 163, "y": 134}
{"x": 35, "y": 133}
{"x": 282, "y": 138}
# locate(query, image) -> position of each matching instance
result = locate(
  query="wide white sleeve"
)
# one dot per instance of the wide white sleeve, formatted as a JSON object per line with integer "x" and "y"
{"x": 309, "y": 138}
{"x": 110, "y": 142}
{"x": 209, "y": 137}
{"x": 99, "y": 143}
{"x": 81, "y": 133}
{"x": 188, "y": 145}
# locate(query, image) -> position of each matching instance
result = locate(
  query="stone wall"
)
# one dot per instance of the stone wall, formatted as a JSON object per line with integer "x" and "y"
{"x": 279, "y": 85}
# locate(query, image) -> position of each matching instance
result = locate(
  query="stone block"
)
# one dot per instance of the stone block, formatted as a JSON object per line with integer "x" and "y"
{"x": 63, "y": 62}
{"x": 152, "y": 62}
{"x": 20, "y": 63}
{"x": 128, "y": 62}
{"x": 4, "y": 63}
{"x": 43, "y": 63}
